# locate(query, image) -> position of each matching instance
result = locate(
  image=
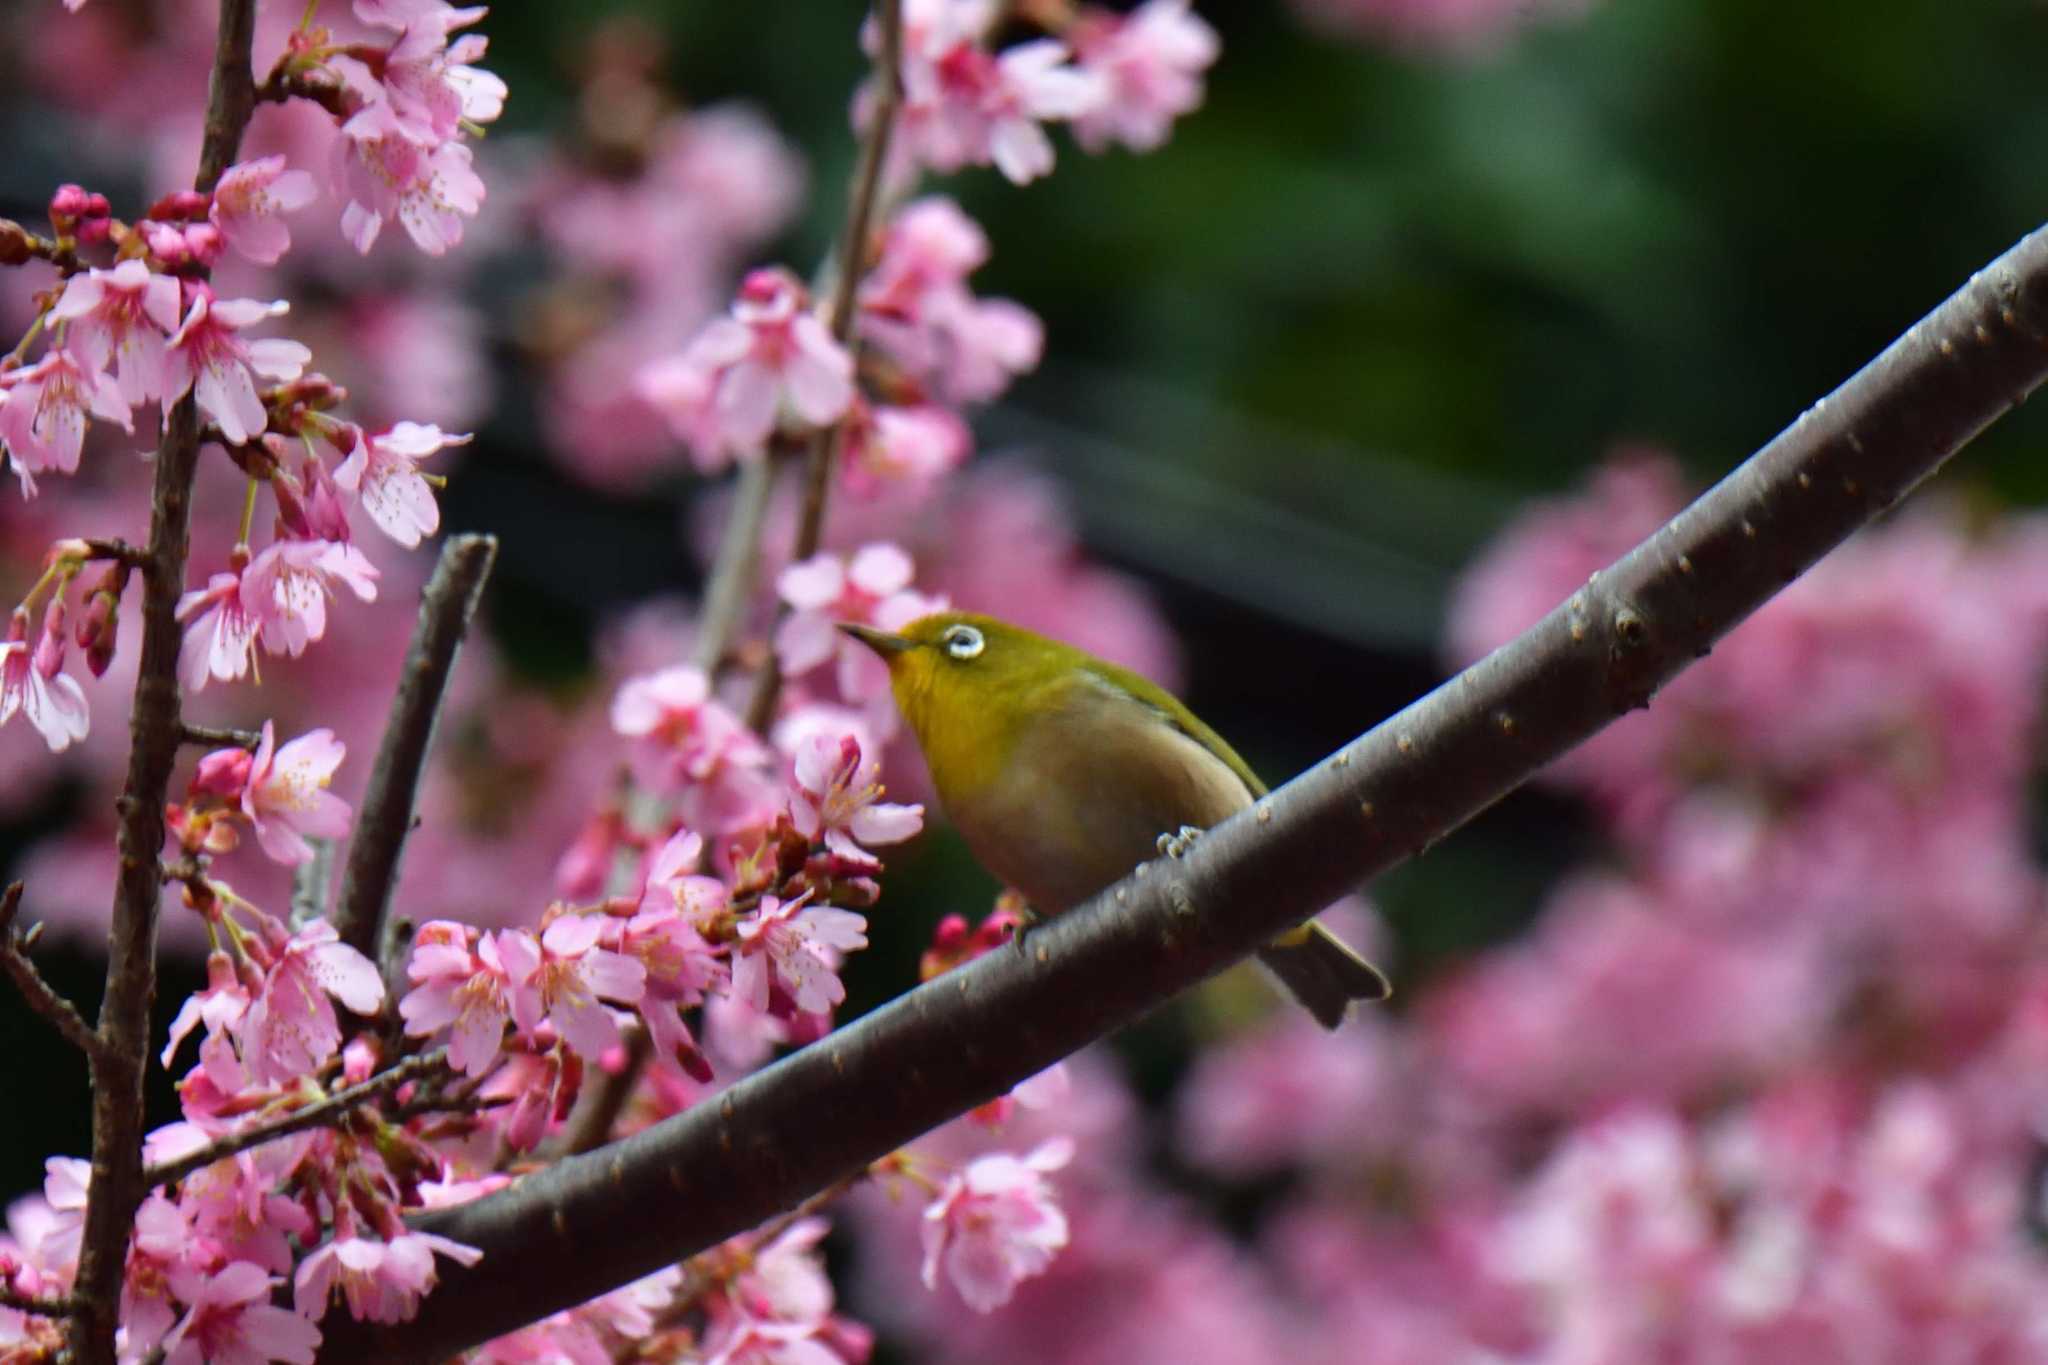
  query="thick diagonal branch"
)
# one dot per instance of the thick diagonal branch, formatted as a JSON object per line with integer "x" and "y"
{"x": 378, "y": 840}
{"x": 593, "y": 1222}
{"x": 155, "y": 728}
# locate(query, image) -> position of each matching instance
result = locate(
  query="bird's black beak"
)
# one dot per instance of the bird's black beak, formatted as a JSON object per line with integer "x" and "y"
{"x": 880, "y": 641}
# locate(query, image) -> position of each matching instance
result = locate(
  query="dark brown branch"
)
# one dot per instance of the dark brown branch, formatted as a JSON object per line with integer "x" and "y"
{"x": 42, "y": 997}
{"x": 374, "y": 849}
{"x": 155, "y": 727}
{"x": 586, "y": 1224}
{"x": 218, "y": 737}
{"x": 120, "y": 551}
{"x": 320, "y": 1113}
{"x": 850, "y": 261}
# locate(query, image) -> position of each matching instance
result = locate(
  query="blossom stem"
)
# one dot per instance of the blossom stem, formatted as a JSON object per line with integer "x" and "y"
{"x": 321, "y": 1113}
{"x": 155, "y": 727}
{"x": 28, "y": 338}
{"x": 383, "y": 822}
{"x": 978, "y": 1031}
{"x": 42, "y": 997}
{"x": 850, "y": 258}
{"x": 248, "y": 513}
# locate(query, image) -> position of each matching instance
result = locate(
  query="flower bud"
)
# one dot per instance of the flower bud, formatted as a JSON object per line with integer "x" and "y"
{"x": 223, "y": 773}
{"x": 181, "y": 206}
{"x": 167, "y": 244}
{"x": 70, "y": 204}
{"x": 49, "y": 656}
{"x": 16, "y": 245}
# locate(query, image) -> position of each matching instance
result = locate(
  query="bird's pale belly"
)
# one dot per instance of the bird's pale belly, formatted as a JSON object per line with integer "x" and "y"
{"x": 1073, "y": 813}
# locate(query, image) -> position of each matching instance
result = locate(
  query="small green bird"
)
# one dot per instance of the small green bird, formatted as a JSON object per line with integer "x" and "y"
{"x": 1063, "y": 772}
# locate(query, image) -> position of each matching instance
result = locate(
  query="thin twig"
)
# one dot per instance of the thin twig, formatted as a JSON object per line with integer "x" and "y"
{"x": 851, "y": 259}
{"x": 42, "y": 997}
{"x": 155, "y": 727}
{"x": 829, "y": 1109}
{"x": 605, "y": 1098}
{"x": 219, "y": 737}
{"x": 41, "y": 1307}
{"x": 318, "y": 1114}
{"x": 447, "y": 605}
{"x": 120, "y": 551}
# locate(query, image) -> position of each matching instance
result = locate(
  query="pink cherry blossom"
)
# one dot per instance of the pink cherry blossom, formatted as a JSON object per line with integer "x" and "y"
{"x": 743, "y": 1341}
{"x": 231, "y": 1322}
{"x": 247, "y": 201}
{"x": 163, "y": 1247}
{"x": 123, "y": 315}
{"x": 693, "y": 747}
{"x": 966, "y": 106}
{"x": 681, "y": 968}
{"x": 472, "y": 994}
{"x": 286, "y": 587}
{"x": 837, "y": 800}
{"x": 220, "y": 1004}
{"x": 385, "y": 174}
{"x": 382, "y": 1281}
{"x": 66, "y": 1183}
{"x": 383, "y": 473}
{"x": 794, "y": 946}
{"x": 44, "y": 410}
{"x": 427, "y": 82}
{"x": 771, "y": 351}
{"x": 290, "y": 1027}
{"x": 399, "y": 156}
{"x": 666, "y": 937}
{"x": 238, "y": 1214}
{"x": 577, "y": 976}
{"x": 872, "y": 588}
{"x": 996, "y": 1224}
{"x": 220, "y": 632}
{"x": 916, "y": 305}
{"x": 33, "y": 683}
{"x": 286, "y": 797}
{"x": 909, "y": 447}
{"x": 1149, "y": 63}
{"x": 208, "y": 355}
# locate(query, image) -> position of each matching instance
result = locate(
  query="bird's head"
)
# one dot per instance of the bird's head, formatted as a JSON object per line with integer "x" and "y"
{"x": 964, "y": 681}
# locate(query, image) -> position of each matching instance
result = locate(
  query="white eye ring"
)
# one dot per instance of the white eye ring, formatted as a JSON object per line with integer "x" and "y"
{"x": 962, "y": 642}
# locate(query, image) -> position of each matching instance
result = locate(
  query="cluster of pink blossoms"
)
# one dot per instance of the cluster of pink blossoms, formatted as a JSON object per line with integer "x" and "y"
{"x": 136, "y": 323}
{"x": 1115, "y": 77}
{"x": 709, "y": 906}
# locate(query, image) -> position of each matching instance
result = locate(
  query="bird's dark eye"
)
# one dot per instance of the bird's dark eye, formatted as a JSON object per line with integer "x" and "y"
{"x": 962, "y": 642}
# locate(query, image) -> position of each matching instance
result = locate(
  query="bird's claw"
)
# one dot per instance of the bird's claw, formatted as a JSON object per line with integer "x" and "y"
{"x": 1027, "y": 920}
{"x": 1177, "y": 844}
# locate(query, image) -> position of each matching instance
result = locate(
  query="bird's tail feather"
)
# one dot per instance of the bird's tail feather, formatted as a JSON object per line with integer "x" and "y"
{"x": 1325, "y": 975}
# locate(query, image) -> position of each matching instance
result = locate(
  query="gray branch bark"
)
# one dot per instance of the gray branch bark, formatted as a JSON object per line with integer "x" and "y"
{"x": 378, "y": 840}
